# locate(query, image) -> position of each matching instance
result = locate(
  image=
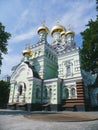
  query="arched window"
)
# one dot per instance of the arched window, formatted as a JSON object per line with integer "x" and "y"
{"x": 42, "y": 36}
{"x": 68, "y": 70}
{"x": 20, "y": 90}
{"x": 66, "y": 93}
{"x": 69, "y": 67}
{"x": 73, "y": 92}
{"x": 45, "y": 93}
{"x": 50, "y": 92}
{"x": 35, "y": 54}
{"x": 37, "y": 93}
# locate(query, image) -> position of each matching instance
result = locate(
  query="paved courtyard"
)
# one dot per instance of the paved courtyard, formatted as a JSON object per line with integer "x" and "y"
{"x": 15, "y": 120}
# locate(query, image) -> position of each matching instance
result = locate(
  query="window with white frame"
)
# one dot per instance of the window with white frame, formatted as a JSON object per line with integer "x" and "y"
{"x": 73, "y": 92}
{"x": 68, "y": 66}
{"x": 50, "y": 92}
{"x": 45, "y": 93}
{"x": 68, "y": 70}
{"x": 65, "y": 93}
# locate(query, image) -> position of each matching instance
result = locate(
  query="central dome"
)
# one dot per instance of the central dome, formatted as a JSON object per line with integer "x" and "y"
{"x": 57, "y": 28}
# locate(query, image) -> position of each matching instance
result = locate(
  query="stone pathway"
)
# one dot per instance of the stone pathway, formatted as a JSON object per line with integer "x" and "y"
{"x": 15, "y": 120}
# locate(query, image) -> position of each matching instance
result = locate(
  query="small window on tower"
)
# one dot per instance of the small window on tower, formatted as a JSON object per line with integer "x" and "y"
{"x": 68, "y": 70}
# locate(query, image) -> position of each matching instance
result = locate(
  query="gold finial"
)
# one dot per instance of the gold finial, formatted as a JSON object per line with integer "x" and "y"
{"x": 57, "y": 27}
{"x": 27, "y": 50}
{"x": 43, "y": 23}
{"x": 69, "y": 26}
{"x": 43, "y": 28}
{"x": 57, "y": 21}
{"x": 28, "y": 46}
{"x": 69, "y": 30}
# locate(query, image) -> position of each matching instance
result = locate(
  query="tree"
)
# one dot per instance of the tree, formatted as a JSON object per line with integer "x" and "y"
{"x": 89, "y": 50}
{"x": 4, "y": 36}
{"x": 4, "y": 93}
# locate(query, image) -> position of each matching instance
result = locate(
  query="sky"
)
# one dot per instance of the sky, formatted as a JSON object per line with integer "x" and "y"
{"x": 22, "y": 18}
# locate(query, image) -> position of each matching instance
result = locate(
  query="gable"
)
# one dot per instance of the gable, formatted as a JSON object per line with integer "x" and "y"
{"x": 22, "y": 72}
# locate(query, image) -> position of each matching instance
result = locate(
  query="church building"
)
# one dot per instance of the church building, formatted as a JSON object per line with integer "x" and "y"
{"x": 49, "y": 75}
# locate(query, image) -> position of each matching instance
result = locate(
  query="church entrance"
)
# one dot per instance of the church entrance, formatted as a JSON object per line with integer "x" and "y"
{"x": 21, "y": 90}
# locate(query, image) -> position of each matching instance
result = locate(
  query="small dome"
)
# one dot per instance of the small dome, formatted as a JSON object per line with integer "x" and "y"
{"x": 62, "y": 33}
{"x": 43, "y": 28}
{"x": 27, "y": 51}
{"x": 57, "y": 28}
{"x": 70, "y": 32}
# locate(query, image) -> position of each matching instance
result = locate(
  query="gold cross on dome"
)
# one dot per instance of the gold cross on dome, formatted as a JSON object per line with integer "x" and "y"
{"x": 27, "y": 46}
{"x": 43, "y": 22}
{"x": 69, "y": 26}
{"x": 57, "y": 21}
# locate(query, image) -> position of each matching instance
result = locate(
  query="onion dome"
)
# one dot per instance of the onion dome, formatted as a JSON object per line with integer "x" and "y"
{"x": 43, "y": 28}
{"x": 62, "y": 33}
{"x": 27, "y": 51}
{"x": 57, "y": 28}
{"x": 70, "y": 31}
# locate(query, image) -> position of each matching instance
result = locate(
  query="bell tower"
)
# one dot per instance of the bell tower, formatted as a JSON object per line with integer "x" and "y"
{"x": 42, "y": 32}
{"x": 70, "y": 36}
{"x": 27, "y": 53}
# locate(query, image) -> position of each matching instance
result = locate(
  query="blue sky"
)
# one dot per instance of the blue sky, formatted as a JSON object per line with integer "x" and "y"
{"x": 23, "y": 17}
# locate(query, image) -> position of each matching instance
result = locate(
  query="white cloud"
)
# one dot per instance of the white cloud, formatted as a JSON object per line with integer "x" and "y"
{"x": 24, "y": 36}
{"x": 22, "y": 21}
{"x": 78, "y": 16}
{"x": 74, "y": 13}
{"x": 8, "y": 62}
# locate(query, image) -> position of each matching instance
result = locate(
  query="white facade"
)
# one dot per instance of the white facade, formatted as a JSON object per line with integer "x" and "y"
{"x": 51, "y": 75}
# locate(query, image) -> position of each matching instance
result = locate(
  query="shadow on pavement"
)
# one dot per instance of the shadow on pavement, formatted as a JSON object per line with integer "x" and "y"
{"x": 13, "y": 112}
{"x": 21, "y": 112}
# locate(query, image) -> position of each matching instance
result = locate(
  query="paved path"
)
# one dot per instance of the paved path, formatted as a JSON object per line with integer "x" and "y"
{"x": 14, "y": 120}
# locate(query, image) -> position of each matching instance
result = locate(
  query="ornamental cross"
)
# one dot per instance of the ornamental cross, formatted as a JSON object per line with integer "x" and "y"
{"x": 28, "y": 46}
{"x": 69, "y": 26}
{"x": 57, "y": 21}
{"x": 43, "y": 22}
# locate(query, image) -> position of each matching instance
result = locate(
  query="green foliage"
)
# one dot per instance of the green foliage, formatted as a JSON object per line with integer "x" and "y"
{"x": 89, "y": 50}
{"x": 4, "y": 36}
{"x": 4, "y": 93}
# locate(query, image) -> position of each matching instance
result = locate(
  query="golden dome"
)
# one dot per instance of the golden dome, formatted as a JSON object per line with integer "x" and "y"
{"x": 27, "y": 51}
{"x": 70, "y": 32}
{"x": 57, "y": 28}
{"x": 43, "y": 28}
{"x": 62, "y": 33}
